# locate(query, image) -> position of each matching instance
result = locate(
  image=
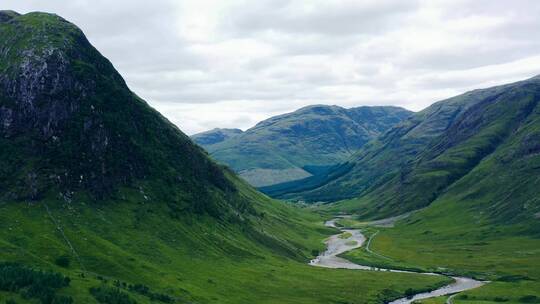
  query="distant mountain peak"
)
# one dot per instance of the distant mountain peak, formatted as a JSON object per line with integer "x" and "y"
{"x": 317, "y": 107}
{"x": 492, "y": 130}
{"x": 293, "y": 145}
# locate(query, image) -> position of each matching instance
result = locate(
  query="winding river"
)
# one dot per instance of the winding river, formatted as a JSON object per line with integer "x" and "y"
{"x": 337, "y": 245}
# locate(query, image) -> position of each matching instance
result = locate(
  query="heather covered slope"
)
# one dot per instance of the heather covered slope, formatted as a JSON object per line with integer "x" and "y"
{"x": 97, "y": 186}
{"x": 483, "y": 143}
{"x": 302, "y": 143}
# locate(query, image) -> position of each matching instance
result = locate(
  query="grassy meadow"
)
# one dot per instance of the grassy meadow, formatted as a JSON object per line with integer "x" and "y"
{"x": 193, "y": 259}
{"x": 444, "y": 238}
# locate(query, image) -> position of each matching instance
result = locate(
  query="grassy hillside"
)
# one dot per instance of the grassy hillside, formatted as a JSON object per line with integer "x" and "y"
{"x": 191, "y": 258}
{"x": 295, "y": 145}
{"x": 485, "y": 138}
{"x": 103, "y": 200}
{"x": 471, "y": 163}
{"x": 486, "y": 224}
{"x": 461, "y": 237}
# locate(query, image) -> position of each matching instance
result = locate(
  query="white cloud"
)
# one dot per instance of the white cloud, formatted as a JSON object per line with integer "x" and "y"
{"x": 212, "y": 63}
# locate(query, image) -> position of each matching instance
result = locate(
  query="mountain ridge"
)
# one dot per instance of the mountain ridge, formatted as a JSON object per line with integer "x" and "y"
{"x": 215, "y": 136}
{"x": 413, "y": 163}
{"x": 301, "y": 143}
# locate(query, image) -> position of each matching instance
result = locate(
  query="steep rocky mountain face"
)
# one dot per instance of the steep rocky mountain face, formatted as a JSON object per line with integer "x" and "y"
{"x": 69, "y": 123}
{"x": 484, "y": 143}
{"x": 215, "y": 136}
{"x": 302, "y": 143}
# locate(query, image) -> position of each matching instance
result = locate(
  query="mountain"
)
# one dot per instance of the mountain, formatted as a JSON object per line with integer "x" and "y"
{"x": 102, "y": 200}
{"x": 215, "y": 136}
{"x": 481, "y": 146}
{"x": 470, "y": 166}
{"x": 69, "y": 124}
{"x": 302, "y": 143}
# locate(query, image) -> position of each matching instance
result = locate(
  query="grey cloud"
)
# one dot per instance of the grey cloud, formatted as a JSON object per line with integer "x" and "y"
{"x": 452, "y": 59}
{"x": 212, "y": 63}
{"x": 321, "y": 17}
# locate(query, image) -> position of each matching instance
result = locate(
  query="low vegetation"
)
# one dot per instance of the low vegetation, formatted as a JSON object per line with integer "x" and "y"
{"x": 443, "y": 238}
{"x": 345, "y": 235}
{"x": 33, "y": 284}
{"x": 111, "y": 295}
{"x": 152, "y": 257}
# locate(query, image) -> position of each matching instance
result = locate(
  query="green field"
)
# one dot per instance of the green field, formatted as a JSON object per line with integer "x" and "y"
{"x": 192, "y": 259}
{"x": 445, "y": 239}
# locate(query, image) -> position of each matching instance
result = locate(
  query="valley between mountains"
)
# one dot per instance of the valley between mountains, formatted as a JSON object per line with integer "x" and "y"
{"x": 103, "y": 200}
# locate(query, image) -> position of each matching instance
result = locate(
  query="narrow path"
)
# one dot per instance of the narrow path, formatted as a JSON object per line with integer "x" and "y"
{"x": 368, "y": 249}
{"x": 59, "y": 228}
{"x": 337, "y": 246}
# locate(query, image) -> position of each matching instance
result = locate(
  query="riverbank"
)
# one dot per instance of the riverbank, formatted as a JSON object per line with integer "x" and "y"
{"x": 337, "y": 245}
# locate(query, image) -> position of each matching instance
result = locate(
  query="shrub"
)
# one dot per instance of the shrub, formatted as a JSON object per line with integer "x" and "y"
{"x": 62, "y": 300}
{"x": 154, "y": 296}
{"x": 409, "y": 293}
{"x": 500, "y": 299}
{"x": 111, "y": 295}
{"x": 513, "y": 278}
{"x": 387, "y": 295}
{"x": 62, "y": 261}
{"x": 33, "y": 284}
{"x": 529, "y": 299}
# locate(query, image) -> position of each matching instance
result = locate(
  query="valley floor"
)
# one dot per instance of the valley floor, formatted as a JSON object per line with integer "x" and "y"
{"x": 510, "y": 261}
{"x": 196, "y": 259}
{"x": 193, "y": 260}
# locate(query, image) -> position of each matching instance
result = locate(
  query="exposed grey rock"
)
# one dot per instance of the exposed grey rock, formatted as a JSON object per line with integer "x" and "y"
{"x": 38, "y": 94}
{"x": 7, "y": 15}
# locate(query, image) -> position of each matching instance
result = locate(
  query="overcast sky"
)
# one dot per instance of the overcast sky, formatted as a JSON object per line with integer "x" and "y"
{"x": 207, "y": 64}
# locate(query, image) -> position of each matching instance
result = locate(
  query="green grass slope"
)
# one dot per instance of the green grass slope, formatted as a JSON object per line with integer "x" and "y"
{"x": 485, "y": 137}
{"x": 463, "y": 237}
{"x": 284, "y": 147}
{"x": 192, "y": 258}
{"x": 102, "y": 200}
{"x": 486, "y": 224}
